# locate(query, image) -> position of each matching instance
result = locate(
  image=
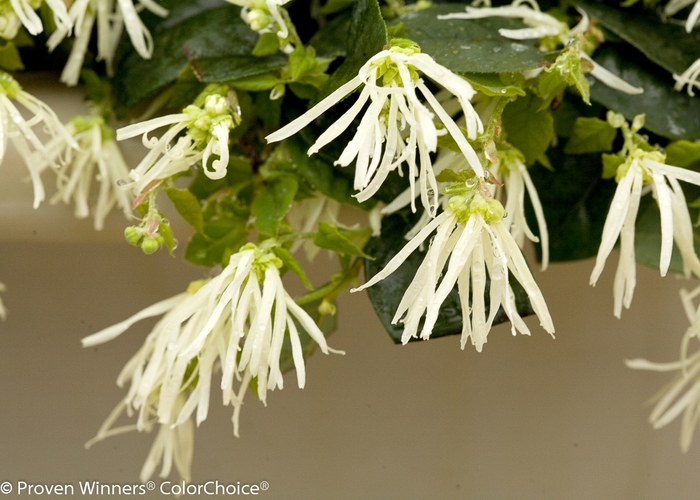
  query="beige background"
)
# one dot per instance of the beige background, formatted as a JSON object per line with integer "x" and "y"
{"x": 530, "y": 417}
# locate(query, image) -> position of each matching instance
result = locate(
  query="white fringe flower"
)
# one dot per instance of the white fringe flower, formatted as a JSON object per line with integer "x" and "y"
{"x": 641, "y": 168}
{"x": 237, "y": 320}
{"x": 98, "y": 158}
{"x": 207, "y": 134}
{"x": 22, "y": 13}
{"x": 20, "y": 131}
{"x": 543, "y": 25}
{"x": 516, "y": 182}
{"x": 675, "y": 6}
{"x": 390, "y": 82}
{"x": 111, "y": 17}
{"x": 671, "y": 401}
{"x": 472, "y": 237}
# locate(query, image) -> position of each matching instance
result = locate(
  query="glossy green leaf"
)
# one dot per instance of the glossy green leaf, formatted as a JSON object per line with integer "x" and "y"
{"x": 575, "y": 200}
{"x": 665, "y": 44}
{"x": 528, "y": 128}
{"x": 669, "y": 113}
{"x": 386, "y": 295}
{"x": 221, "y": 237}
{"x": 471, "y": 46}
{"x": 187, "y": 205}
{"x": 273, "y": 202}
{"x": 491, "y": 84}
{"x": 590, "y": 135}
{"x": 179, "y": 40}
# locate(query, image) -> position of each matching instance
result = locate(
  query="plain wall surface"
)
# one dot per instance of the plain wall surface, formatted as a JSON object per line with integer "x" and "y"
{"x": 528, "y": 418}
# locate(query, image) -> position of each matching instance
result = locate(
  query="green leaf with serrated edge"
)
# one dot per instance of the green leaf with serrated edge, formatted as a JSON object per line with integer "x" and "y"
{"x": 327, "y": 323}
{"x": 386, "y": 295}
{"x": 683, "y": 154}
{"x": 221, "y": 237}
{"x": 590, "y": 135}
{"x": 179, "y": 40}
{"x": 273, "y": 202}
{"x": 471, "y": 46}
{"x": 575, "y": 200}
{"x": 366, "y": 37}
{"x": 293, "y": 265}
{"x": 671, "y": 114}
{"x": 338, "y": 240}
{"x": 665, "y": 44}
{"x": 255, "y": 83}
{"x": 187, "y": 205}
{"x": 490, "y": 84}
{"x": 611, "y": 164}
{"x": 528, "y": 129}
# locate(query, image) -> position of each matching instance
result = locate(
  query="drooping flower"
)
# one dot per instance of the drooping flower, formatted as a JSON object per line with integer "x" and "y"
{"x": 16, "y": 13}
{"x": 206, "y": 135}
{"x": 671, "y": 401}
{"x": 675, "y": 6}
{"x": 545, "y": 26}
{"x": 236, "y": 321}
{"x": 20, "y": 131}
{"x": 98, "y": 158}
{"x": 470, "y": 241}
{"x": 397, "y": 126}
{"x": 111, "y": 17}
{"x": 516, "y": 182}
{"x": 641, "y": 167}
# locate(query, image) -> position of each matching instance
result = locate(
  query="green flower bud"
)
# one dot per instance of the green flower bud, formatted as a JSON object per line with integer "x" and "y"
{"x": 133, "y": 235}
{"x": 150, "y": 245}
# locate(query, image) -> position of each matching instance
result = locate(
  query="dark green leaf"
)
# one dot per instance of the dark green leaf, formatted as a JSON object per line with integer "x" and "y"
{"x": 669, "y": 113}
{"x": 187, "y": 206}
{"x": 575, "y": 200}
{"x": 366, "y": 37}
{"x": 221, "y": 52}
{"x": 386, "y": 295}
{"x": 666, "y": 44}
{"x": 471, "y": 46}
{"x": 590, "y": 135}
{"x": 528, "y": 129}
{"x": 220, "y": 239}
{"x": 10, "y": 59}
{"x": 273, "y": 202}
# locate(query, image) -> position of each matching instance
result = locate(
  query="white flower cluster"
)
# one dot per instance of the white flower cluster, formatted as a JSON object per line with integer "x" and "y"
{"x": 207, "y": 134}
{"x": 474, "y": 245}
{"x": 643, "y": 167}
{"x": 397, "y": 127}
{"x": 97, "y": 158}
{"x": 237, "y": 321}
{"x": 20, "y": 131}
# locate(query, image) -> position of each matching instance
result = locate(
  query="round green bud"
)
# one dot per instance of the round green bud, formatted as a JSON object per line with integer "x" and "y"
{"x": 133, "y": 235}
{"x": 150, "y": 245}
